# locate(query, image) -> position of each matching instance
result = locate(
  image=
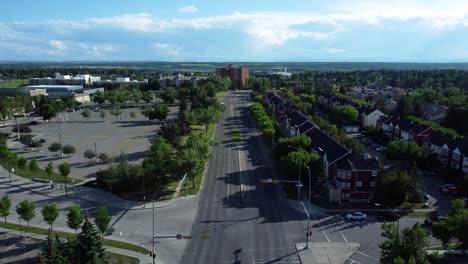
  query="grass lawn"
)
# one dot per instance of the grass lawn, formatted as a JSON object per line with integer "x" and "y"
{"x": 66, "y": 235}
{"x": 41, "y": 174}
{"x": 14, "y": 84}
{"x": 122, "y": 259}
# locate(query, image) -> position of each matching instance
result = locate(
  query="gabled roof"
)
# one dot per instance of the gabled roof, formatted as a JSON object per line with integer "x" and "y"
{"x": 439, "y": 139}
{"x": 355, "y": 162}
{"x": 269, "y": 95}
{"x": 297, "y": 118}
{"x": 306, "y": 126}
{"x": 276, "y": 100}
{"x": 322, "y": 142}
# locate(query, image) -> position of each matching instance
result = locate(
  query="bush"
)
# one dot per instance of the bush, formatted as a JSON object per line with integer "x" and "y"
{"x": 35, "y": 144}
{"x": 68, "y": 149}
{"x": 26, "y": 139}
{"x": 42, "y": 140}
{"x": 103, "y": 157}
{"x": 22, "y": 162}
{"x": 22, "y": 129}
{"x": 54, "y": 147}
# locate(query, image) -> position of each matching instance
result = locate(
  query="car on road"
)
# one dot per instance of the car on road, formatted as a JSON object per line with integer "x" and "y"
{"x": 356, "y": 216}
{"x": 389, "y": 216}
{"x": 430, "y": 220}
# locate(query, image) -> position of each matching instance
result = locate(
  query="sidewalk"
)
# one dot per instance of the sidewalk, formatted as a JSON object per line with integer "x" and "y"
{"x": 325, "y": 253}
{"x": 85, "y": 193}
{"x": 141, "y": 257}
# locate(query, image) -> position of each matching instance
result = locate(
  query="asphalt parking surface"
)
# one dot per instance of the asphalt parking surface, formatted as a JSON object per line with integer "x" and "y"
{"x": 129, "y": 136}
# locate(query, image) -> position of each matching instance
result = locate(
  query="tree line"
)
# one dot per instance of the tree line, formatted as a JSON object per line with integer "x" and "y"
{"x": 86, "y": 248}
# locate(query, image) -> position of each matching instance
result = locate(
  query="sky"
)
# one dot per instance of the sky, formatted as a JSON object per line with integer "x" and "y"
{"x": 244, "y": 31}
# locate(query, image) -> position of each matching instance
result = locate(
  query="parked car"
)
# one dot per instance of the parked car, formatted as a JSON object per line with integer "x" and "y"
{"x": 386, "y": 215}
{"x": 429, "y": 221}
{"x": 356, "y": 216}
{"x": 381, "y": 149}
{"x": 445, "y": 186}
{"x": 450, "y": 190}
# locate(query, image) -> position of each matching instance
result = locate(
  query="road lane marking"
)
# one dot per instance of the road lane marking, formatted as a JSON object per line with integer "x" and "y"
{"x": 326, "y": 237}
{"x": 366, "y": 255}
{"x": 344, "y": 237}
{"x": 353, "y": 261}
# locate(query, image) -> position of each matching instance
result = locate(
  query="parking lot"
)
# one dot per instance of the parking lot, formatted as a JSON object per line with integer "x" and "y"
{"x": 129, "y": 136}
{"x": 15, "y": 249}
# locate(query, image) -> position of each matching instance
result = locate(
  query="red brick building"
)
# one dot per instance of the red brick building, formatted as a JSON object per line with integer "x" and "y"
{"x": 236, "y": 75}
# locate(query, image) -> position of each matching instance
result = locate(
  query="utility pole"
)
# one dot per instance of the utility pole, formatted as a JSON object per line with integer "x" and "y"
{"x": 17, "y": 128}
{"x": 95, "y": 151}
{"x": 60, "y": 138}
{"x": 309, "y": 232}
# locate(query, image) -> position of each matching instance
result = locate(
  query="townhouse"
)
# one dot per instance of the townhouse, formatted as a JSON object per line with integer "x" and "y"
{"x": 348, "y": 176}
{"x": 450, "y": 150}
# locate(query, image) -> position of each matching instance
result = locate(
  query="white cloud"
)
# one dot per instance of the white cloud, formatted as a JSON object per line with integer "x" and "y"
{"x": 57, "y": 44}
{"x": 166, "y": 48}
{"x": 188, "y": 9}
{"x": 334, "y": 50}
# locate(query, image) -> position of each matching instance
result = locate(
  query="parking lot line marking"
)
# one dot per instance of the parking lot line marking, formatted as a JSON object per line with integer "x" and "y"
{"x": 344, "y": 237}
{"x": 366, "y": 255}
{"x": 326, "y": 237}
{"x": 353, "y": 261}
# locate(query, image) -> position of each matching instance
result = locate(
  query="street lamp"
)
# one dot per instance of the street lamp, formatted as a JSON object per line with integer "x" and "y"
{"x": 12, "y": 171}
{"x": 308, "y": 215}
{"x": 396, "y": 216}
{"x": 153, "y": 250}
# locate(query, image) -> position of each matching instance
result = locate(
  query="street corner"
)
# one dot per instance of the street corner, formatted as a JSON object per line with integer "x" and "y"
{"x": 323, "y": 252}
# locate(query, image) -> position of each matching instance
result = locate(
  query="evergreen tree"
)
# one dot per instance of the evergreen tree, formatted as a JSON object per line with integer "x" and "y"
{"x": 51, "y": 253}
{"x": 89, "y": 246}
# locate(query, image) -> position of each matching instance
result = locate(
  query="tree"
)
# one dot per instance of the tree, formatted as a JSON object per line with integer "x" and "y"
{"x": 64, "y": 170}
{"x": 159, "y": 162}
{"x": 159, "y": 112}
{"x": 103, "y": 157}
{"x": 68, "y": 149}
{"x": 301, "y": 158}
{"x": 168, "y": 95}
{"x": 86, "y": 114}
{"x": 90, "y": 248}
{"x": 393, "y": 188}
{"x": 26, "y": 211}
{"x": 133, "y": 115}
{"x": 102, "y": 219}
{"x": 33, "y": 166}
{"x": 98, "y": 97}
{"x": 89, "y": 154}
{"x": 207, "y": 116}
{"x": 23, "y": 129}
{"x": 22, "y": 161}
{"x": 5, "y": 206}
{"x": 51, "y": 251}
{"x": 170, "y": 132}
{"x": 116, "y": 113}
{"x": 136, "y": 94}
{"x": 48, "y": 111}
{"x": 74, "y": 218}
{"x": 411, "y": 244}
{"x": 50, "y": 213}
{"x": 346, "y": 113}
{"x": 49, "y": 169}
{"x": 54, "y": 147}
{"x": 454, "y": 226}
{"x": 102, "y": 114}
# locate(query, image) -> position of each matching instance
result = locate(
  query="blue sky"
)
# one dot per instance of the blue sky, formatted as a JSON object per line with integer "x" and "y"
{"x": 254, "y": 30}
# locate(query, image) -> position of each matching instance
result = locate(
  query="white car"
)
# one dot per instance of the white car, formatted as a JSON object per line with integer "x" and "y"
{"x": 356, "y": 216}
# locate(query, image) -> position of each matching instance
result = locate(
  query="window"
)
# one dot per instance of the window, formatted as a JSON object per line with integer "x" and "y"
{"x": 372, "y": 184}
{"x": 339, "y": 174}
{"x": 348, "y": 175}
{"x": 348, "y": 185}
{"x": 374, "y": 173}
{"x": 343, "y": 185}
{"x": 359, "y": 184}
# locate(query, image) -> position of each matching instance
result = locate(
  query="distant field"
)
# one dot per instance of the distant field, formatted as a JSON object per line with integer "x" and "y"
{"x": 14, "y": 84}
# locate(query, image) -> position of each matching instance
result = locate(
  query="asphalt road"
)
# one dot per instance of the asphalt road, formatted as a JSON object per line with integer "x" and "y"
{"x": 247, "y": 222}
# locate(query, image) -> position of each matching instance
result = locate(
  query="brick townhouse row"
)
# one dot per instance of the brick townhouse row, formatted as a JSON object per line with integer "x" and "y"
{"x": 349, "y": 176}
{"x": 450, "y": 150}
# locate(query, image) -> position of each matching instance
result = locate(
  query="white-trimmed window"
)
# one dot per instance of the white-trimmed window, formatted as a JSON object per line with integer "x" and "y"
{"x": 343, "y": 185}
{"x": 339, "y": 174}
{"x": 374, "y": 173}
{"x": 359, "y": 184}
{"x": 348, "y": 175}
{"x": 372, "y": 184}
{"x": 348, "y": 185}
